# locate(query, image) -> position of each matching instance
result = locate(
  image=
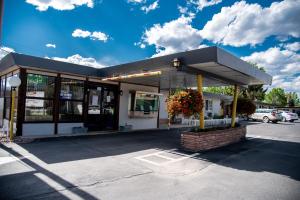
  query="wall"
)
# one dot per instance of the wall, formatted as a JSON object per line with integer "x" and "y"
{"x": 38, "y": 129}
{"x": 67, "y": 128}
{"x": 163, "y": 105}
{"x": 216, "y": 106}
{"x": 137, "y": 123}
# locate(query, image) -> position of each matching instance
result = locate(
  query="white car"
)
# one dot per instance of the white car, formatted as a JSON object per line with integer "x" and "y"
{"x": 288, "y": 116}
{"x": 266, "y": 115}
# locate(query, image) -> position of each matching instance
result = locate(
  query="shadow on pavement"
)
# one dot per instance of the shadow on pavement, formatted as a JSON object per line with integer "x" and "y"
{"x": 29, "y": 183}
{"x": 259, "y": 155}
{"x": 55, "y": 150}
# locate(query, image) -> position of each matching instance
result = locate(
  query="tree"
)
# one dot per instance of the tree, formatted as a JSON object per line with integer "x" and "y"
{"x": 255, "y": 92}
{"x": 245, "y": 106}
{"x": 292, "y": 99}
{"x": 277, "y": 97}
{"x": 226, "y": 90}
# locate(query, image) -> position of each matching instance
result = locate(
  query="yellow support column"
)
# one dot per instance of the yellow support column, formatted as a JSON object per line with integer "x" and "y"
{"x": 201, "y": 114}
{"x": 12, "y": 113}
{"x": 235, "y": 97}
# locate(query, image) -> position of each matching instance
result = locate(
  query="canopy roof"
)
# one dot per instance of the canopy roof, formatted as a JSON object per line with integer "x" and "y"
{"x": 218, "y": 67}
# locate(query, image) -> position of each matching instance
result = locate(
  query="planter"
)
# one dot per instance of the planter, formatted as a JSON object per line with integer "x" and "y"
{"x": 202, "y": 141}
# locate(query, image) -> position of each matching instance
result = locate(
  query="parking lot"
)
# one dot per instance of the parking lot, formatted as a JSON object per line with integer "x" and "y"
{"x": 150, "y": 165}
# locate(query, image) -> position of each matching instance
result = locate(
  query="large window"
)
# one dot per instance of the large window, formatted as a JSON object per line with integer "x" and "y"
{"x": 71, "y": 100}
{"x": 39, "y": 98}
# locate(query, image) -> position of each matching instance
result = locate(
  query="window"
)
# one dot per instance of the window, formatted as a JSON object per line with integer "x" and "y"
{"x": 146, "y": 102}
{"x": 39, "y": 98}
{"x": 38, "y": 110}
{"x": 71, "y": 100}
{"x": 208, "y": 105}
{"x": 70, "y": 111}
{"x": 71, "y": 89}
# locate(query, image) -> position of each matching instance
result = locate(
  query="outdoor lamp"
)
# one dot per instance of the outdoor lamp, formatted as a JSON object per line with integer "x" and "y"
{"x": 176, "y": 63}
{"x": 14, "y": 82}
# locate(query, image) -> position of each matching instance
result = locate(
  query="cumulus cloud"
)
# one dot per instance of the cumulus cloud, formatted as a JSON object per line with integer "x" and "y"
{"x": 174, "y": 36}
{"x": 295, "y": 46}
{"x": 150, "y": 7}
{"x": 204, "y": 3}
{"x": 288, "y": 83}
{"x": 136, "y": 1}
{"x": 51, "y": 45}
{"x": 78, "y": 59}
{"x": 43, "y": 5}
{"x": 282, "y": 63}
{"x": 276, "y": 60}
{"x": 5, "y": 50}
{"x": 250, "y": 24}
{"x": 96, "y": 35}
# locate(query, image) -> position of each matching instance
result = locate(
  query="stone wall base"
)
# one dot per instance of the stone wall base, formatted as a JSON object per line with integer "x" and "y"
{"x": 202, "y": 141}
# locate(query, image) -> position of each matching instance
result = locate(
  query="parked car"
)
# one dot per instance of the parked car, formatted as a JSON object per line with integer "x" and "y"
{"x": 288, "y": 116}
{"x": 266, "y": 115}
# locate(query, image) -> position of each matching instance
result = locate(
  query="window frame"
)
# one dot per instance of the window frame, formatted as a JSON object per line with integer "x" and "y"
{"x": 53, "y": 99}
{"x": 60, "y": 100}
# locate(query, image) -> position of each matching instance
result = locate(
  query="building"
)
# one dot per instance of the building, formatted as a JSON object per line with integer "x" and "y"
{"x": 59, "y": 98}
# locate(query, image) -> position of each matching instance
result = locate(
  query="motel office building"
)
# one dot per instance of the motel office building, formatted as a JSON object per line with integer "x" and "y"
{"x": 56, "y": 98}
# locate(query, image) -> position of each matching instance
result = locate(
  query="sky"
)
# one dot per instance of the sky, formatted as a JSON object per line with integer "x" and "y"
{"x": 103, "y": 33}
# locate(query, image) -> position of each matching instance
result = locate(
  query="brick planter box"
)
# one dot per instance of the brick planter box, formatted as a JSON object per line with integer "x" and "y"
{"x": 201, "y": 141}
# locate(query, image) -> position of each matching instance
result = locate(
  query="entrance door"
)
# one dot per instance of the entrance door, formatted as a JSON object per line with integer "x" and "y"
{"x": 101, "y": 109}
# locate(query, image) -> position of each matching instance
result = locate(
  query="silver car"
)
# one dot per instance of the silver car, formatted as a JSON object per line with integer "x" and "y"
{"x": 266, "y": 115}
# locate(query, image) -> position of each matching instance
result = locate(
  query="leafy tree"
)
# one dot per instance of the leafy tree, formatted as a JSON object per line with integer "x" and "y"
{"x": 245, "y": 106}
{"x": 226, "y": 90}
{"x": 292, "y": 99}
{"x": 277, "y": 97}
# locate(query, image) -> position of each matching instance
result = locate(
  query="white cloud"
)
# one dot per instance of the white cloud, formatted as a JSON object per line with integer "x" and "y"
{"x": 51, "y": 45}
{"x": 99, "y": 36}
{"x": 242, "y": 23}
{"x": 174, "y": 36}
{"x": 276, "y": 60}
{"x": 78, "y": 59}
{"x": 136, "y": 1}
{"x": 5, "y": 50}
{"x": 282, "y": 63}
{"x": 43, "y": 5}
{"x": 204, "y": 3}
{"x": 81, "y": 33}
{"x": 288, "y": 83}
{"x": 295, "y": 46}
{"x": 150, "y": 7}
{"x": 182, "y": 10}
{"x": 96, "y": 35}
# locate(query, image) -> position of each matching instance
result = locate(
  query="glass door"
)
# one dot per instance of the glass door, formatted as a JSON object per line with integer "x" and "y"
{"x": 101, "y": 108}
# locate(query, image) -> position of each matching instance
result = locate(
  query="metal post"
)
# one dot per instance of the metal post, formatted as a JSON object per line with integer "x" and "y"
{"x": 235, "y": 97}
{"x": 201, "y": 114}
{"x": 12, "y": 114}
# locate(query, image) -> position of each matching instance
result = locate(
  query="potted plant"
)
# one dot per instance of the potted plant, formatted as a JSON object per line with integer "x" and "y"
{"x": 190, "y": 102}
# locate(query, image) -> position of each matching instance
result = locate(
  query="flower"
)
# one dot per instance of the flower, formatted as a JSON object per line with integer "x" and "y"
{"x": 187, "y": 102}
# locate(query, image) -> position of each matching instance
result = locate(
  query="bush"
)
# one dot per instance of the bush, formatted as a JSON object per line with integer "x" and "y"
{"x": 245, "y": 106}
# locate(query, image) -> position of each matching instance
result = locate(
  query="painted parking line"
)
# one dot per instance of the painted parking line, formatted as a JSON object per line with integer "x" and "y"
{"x": 159, "y": 160}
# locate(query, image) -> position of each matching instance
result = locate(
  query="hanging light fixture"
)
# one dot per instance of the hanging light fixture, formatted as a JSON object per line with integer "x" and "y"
{"x": 176, "y": 63}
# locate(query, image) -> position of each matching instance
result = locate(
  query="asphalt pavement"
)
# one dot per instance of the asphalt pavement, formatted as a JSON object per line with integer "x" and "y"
{"x": 151, "y": 165}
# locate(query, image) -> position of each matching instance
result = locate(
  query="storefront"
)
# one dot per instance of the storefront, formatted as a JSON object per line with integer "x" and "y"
{"x": 63, "y": 98}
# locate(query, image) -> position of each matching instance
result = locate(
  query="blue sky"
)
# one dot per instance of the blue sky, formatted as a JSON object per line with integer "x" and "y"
{"x": 103, "y": 33}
